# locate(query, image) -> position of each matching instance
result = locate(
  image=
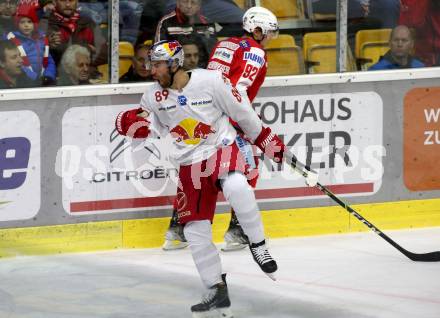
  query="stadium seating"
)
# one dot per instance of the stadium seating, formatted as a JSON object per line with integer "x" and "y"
{"x": 126, "y": 52}
{"x": 323, "y": 16}
{"x": 292, "y": 9}
{"x": 319, "y": 51}
{"x": 316, "y": 15}
{"x": 370, "y": 46}
{"x": 284, "y": 57}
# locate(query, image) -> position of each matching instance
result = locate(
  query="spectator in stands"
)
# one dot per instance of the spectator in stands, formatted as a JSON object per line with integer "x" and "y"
{"x": 95, "y": 10}
{"x": 139, "y": 70}
{"x": 191, "y": 54}
{"x": 224, "y": 12}
{"x": 129, "y": 16}
{"x": 385, "y": 12}
{"x": 399, "y": 55}
{"x": 33, "y": 45}
{"x": 424, "y": 17}
{"x": 187, "y": 21}
{"x": 153, "y": 11}
{"x": 66, "y": 26}
{"x": 75, "y": 66}
{"x": 129, "y": 20}
{"x": 7, "y": 12}
{"x": 11, "y": 73}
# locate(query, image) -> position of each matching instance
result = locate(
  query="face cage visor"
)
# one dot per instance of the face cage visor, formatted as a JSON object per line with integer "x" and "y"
{"x": 153, "y": 59}
{"x": 147, "y": 64}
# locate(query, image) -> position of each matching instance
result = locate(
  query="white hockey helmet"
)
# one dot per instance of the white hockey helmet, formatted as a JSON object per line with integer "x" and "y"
{"x": 259, "y": 17}
{"x": 170, "y": 51}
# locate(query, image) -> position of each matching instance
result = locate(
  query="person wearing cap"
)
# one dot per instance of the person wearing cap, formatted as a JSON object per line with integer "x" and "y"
{"x": 243, "y": 61}
{"x": 33, "y": 46}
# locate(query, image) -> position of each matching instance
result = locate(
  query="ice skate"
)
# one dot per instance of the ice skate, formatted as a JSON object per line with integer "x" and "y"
{"x": 174, "y": 238}
{"x": 263, "y": 259}
{"x": 235, "y": 239}
{"x": 215, "y": 304}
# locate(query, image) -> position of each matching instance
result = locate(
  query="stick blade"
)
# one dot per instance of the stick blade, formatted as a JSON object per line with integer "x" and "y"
{"x": 426, "y": 257}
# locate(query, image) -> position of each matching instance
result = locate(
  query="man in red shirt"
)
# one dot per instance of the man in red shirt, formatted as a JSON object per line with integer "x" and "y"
{"x": 186, "y": 22}
{"x": 243, "y": 61}
{"x": 424, "y": 17}
{"x": 67, "y": 26}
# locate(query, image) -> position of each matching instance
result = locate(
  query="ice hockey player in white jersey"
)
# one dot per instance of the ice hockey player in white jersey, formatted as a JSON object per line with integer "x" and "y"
{"x": 195, "y": 107}
{"x": 244, "y": 62}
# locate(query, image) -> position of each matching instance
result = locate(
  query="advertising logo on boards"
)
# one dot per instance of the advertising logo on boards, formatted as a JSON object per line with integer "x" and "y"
{"x": 421, "y": 139}
{"x": 19, "y": 165}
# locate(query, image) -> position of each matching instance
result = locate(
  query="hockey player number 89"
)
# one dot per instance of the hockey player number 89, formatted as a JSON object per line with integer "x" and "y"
{"x": 236, "y": 93}
{"x": 159, "y": 95}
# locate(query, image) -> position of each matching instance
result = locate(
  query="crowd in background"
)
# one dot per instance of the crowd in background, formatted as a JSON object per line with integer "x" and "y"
{"x": 62, "y": 42}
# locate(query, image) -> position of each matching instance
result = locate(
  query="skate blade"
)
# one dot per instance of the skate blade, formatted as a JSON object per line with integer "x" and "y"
{"x": 271, "y": 276}
{"x": 229, "y": 247}
{"x": 174, "y": 245}
{"x": 215, "y": 313}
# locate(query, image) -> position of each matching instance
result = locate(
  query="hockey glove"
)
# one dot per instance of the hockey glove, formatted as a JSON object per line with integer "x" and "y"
{"x": 270, "y": 144}
{"x": 131, "y": 123}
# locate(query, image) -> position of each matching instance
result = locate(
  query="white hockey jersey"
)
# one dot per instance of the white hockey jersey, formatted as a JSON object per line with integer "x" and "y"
{"x": 197, "y": 117}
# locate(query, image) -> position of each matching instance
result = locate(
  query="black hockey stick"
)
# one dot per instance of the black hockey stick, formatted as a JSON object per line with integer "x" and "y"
{"x": 417, "y": 257}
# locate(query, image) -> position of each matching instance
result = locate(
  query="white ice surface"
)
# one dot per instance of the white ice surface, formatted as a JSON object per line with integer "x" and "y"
{"x": 337, "y": 276}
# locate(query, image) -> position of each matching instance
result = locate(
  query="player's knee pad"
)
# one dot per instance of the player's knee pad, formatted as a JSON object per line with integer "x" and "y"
{"x": 234, "y": 183}
{"x": 239, "y": 193}
{"x": 242, "y": 199}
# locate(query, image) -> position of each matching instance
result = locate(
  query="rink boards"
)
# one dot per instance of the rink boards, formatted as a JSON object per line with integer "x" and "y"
{"x": 69, "y": 182}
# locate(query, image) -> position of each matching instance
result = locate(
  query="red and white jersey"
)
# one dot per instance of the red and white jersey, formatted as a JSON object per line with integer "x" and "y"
{"x": 197, "y": 117}
{"x": 243, "y": 61}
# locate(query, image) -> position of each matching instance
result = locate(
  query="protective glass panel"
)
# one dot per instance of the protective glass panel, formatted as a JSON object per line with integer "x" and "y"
{"x": 52, "y": 43}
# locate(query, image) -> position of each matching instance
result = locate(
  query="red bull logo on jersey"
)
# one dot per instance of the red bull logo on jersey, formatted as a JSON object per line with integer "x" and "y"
{"x": 191, "y": 131}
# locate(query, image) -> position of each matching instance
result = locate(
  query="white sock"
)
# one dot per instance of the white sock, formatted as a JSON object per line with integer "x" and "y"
{"x": 242, "y": 199}
{"x": 204, "y": 252}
